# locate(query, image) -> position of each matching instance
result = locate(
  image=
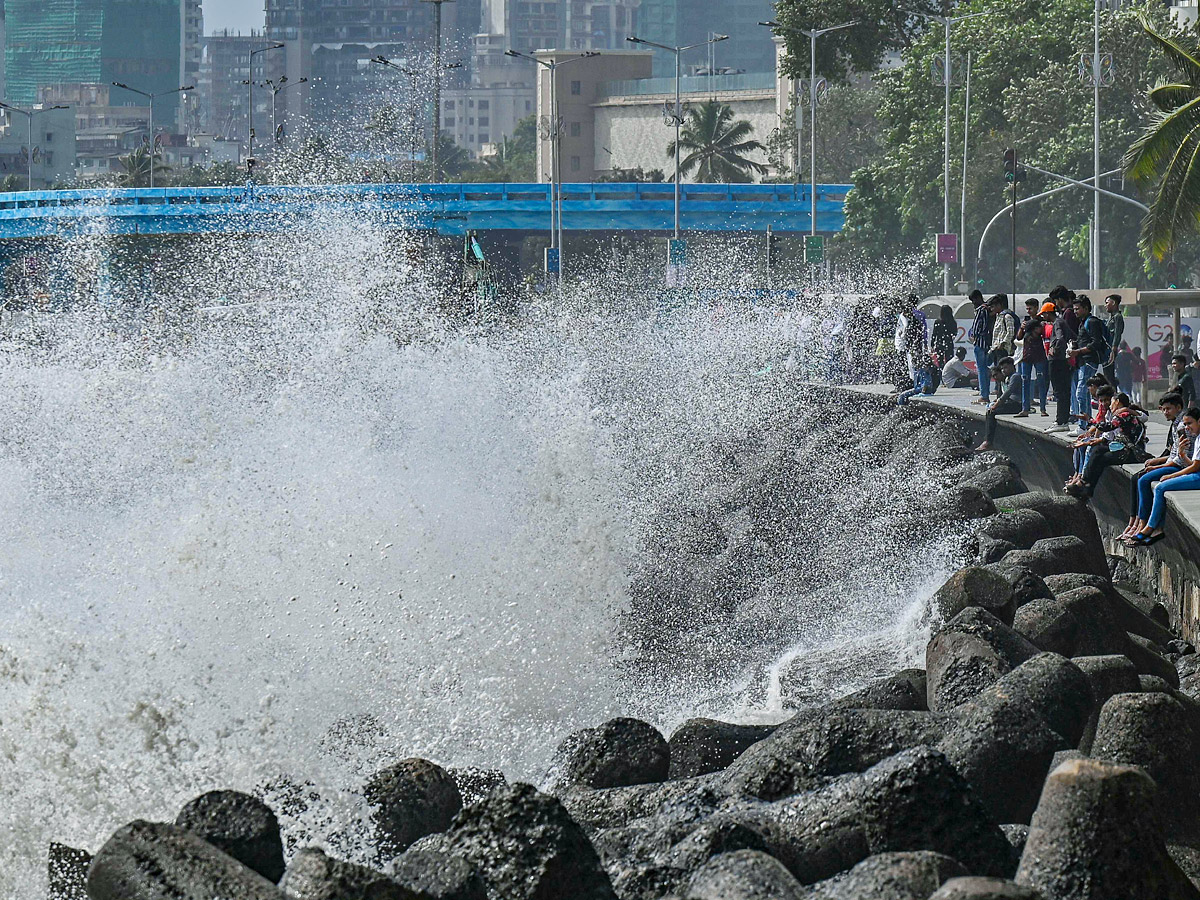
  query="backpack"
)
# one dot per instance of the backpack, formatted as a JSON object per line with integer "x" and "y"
{"x": 1103, "y": 344}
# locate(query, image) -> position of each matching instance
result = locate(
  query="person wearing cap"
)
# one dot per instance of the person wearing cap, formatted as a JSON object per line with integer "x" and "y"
{"x": 1035, "y": 372}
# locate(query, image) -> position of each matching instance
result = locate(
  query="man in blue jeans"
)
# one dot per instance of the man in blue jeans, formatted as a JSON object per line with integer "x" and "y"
{"x": 1088, "y": 352}
{"x": 980, "y": 337}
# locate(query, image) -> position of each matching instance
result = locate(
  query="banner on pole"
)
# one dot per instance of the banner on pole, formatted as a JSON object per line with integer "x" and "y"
{"x": 947, "y": 248}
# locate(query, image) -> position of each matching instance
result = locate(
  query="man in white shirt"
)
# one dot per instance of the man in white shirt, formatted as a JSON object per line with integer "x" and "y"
{"x": 956, "y": 374}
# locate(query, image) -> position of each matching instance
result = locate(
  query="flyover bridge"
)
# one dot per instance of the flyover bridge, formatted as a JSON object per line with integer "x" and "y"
{"x": 448, "y": 209}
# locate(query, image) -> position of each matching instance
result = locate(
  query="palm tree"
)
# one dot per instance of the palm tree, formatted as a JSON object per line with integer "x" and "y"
{"x": 135, "y": 168}
{"x": 716, "y": 147}
{"x": 1166, "y": 158}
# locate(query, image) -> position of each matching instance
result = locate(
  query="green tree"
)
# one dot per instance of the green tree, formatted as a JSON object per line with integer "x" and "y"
{"x": 1164, "y": 157}
{"x": 217, "y": 175}
{"x": 850, "y": 135}
{"x": 882, "y": 27}
{"x": 135, "y": 167}
{"x": 716, "y": 147}
{"x": 1025, "y": 93}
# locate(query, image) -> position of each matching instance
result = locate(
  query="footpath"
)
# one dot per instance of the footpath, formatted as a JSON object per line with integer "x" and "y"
{"x": 1170, "y": 570}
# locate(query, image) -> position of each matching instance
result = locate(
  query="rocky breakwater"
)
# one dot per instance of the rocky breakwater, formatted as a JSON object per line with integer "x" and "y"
{"x": 1047, "y": 750}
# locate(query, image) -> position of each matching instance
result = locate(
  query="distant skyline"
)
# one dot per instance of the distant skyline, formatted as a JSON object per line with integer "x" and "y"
{"x": 236, "y": 15}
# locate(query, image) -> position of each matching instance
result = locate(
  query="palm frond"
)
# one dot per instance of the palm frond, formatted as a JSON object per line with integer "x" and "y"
{"x": 1184, "y": 60}
{"x": 1171, "y": 96}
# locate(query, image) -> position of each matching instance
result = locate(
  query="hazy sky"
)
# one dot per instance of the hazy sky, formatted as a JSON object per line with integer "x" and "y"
{"x": 236, "y": 14}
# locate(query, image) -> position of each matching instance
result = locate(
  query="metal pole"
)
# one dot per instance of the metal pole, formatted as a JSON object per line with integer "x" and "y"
{"x": 274, "y": 127}
{"x": 678, "y": 117}
{"x": 437, "y": 89}
{"x": 151, "y": 140}
{"x": 29, "y": 161}
{"x": 553, "y": 161}
{"x": 962, "y": 218}
{"x": 812, "y": 126}
{"x": 1095, "y": 285}
{"x": 946, "y": 161}
{"x": 557, "y": 146}
{"x": 412, "y": 106}
{"x": 798, "y": 115}
{"x": 1016, "y": 172}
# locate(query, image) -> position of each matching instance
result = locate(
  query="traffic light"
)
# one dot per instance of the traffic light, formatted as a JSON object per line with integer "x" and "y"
{"x": 981, "y": 274}
{"x": 1013, "y": 172}
{"x": 1173, "y": 275}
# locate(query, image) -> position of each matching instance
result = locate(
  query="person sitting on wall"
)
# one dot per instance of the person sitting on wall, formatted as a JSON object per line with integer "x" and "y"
{"x": 956, "y": 374}
{"x": 929, "y": 376}
{"x": 1186, "y": 479}
{"x": 1008, "y": 401}
{"x": 1122, "y": 440}
{"x": 1101, "y": 393}
{"x": 1176, "y": 455}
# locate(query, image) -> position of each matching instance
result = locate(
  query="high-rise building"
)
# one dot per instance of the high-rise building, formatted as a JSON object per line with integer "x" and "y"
{"x": 677, "y": 23}
{"x": 94, "y": 42}
{"x": 191, "y": 55}
{"x": 224, "y": 93}
{"x": 331, "y": 42}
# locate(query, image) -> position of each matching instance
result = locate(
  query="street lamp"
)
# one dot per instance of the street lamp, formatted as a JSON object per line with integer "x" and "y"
{"x": 29, "y": 114}
{"x": 947, "y": 22}
{"x": 812, "y": 103}
{"x": 413, "y": 74}
{"x": 150, "y": 95}
{"x": 274, "y": 45}
{"x": 553, "y": 133}
{"x": 277, "y": 88}
{"x": 437, "y": 85}
{"x": 677, "y": 115}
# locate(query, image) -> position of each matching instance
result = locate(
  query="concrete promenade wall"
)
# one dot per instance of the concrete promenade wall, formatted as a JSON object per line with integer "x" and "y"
{"x": 1169, "y": 571}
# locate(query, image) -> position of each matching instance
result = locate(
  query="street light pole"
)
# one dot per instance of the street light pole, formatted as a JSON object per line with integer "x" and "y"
{"x": 437, "y": 86}
{"x": 412, "y": 74}
{"x": 1095, "y": 279}
{"x": 151, "y": 97}
{"x": 677, "y": 115}
{"x": 278, "y": 88}
{"x": 29, "y": 114}
{"x": 274, "y": 45}
{"x": 553, "y": 134}
{"x": 812, "y": 36}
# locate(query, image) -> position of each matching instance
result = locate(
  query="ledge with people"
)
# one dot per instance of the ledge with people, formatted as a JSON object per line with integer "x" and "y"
{"x": 1066, "y": 361}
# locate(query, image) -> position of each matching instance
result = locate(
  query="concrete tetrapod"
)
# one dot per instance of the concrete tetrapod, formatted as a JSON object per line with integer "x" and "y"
{"x": 1096, "y": 836}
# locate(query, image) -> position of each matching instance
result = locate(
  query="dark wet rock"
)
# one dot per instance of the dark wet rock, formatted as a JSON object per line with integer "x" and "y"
{"x": 998, "y": 482}
{"x": 1052, "y": 687}
{"x": 903, "y": 691}
{"x": 978, "y": 586}
{"x": 700, "y": 746}
{"x": 744, "y": 875}
{"x": 1026, "y": 584}
{"x": 1157, "y": 733}
{"x": 915, "y": 800}
{"x": 524, "y": 846}
{"x": 619, "y": 753}
{"x": 1190, "y": 686}
{"x": 1115, "y": 604}
{"x": 1188, "y": 665}
{"x": 1071, "y": 581}
{"x": 911, "y": 875}
{"x": 1067, "y": 516}
{"x": 1004, "y": 751}
{"x": 1052, "y": 556}
{"x": 1017, "y": 836}
{"x": 240, "y": 825}
{"x": 430, "y": 875}
{"x": 971, "y": 502}
{"x": 1096, "y": 836}
{"x": 1152, "y": 683}
{"x": 616, "y": 807}
{"x": 970, "y": 652}
{"x": 312, "y": 875}
{"x": 154, "y": 861}
{"x": 977, "y": 888}
{"x": 1148, "y": 660}
{"x": 1180, "y": 647}
{"x": 68, "y": 871}
{"x": 1188, "y": 860}
{"x": 712, "y": 839}
{"x": 409, "y": 800}
{"x": 474, "y": 783}
{"x": 988, "y": 550}
{"x": 804, "y": 753}
{"x": 1107, "y": 676}
{"x": 1020, "y": 527}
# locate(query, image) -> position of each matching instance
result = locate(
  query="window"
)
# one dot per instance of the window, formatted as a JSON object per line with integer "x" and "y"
{"x": 574, "y": 129}
{"x": 483, "y": 120}
{"x": 449, "y": 121}
{"x": 49, "y": 137}
{"x": 484, "y": 104}
{"x": 448, "y": 104}
{"x": 471, "y": 121}
{"x": 483, "y": 138}
{"x": 528, "y": 105}
{"x": 471, "y": 103}
{"x": 576, "y": 88}
{"x": 574, "y": 163}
